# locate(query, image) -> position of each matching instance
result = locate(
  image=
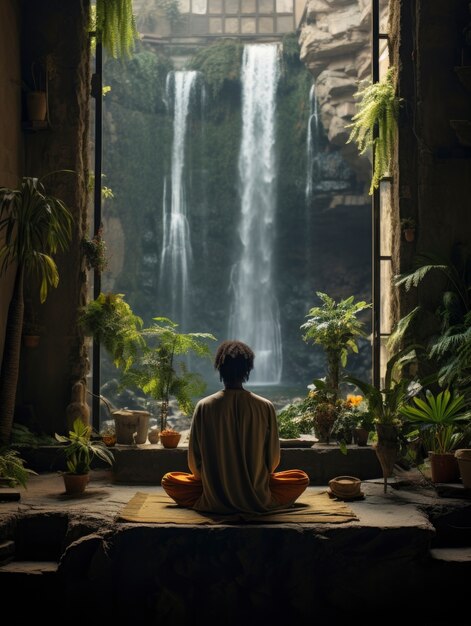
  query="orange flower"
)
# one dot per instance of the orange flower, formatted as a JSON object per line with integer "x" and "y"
{"x": 354, "y": 400}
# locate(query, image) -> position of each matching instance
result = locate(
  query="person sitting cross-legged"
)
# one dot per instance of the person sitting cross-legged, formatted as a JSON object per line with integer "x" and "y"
{"x": 234, "y": 448}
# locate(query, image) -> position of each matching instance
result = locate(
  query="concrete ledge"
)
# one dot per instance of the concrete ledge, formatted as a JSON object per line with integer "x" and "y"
{"x": 148, "y": 463}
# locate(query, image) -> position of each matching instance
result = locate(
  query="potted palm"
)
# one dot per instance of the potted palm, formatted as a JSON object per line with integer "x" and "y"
{"x": 336, "y": 328}
{"x": 440, "y": 418}
{"x": 160, "y": 372}
{"x": 34, "y": 226}
{"x": 80, "y": 450}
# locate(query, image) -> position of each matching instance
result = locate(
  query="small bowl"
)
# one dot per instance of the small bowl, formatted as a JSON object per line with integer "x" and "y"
{"x": 345, "y": 486}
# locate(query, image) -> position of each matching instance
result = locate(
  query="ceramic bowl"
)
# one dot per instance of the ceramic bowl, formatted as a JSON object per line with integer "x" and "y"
{"x": 345, "y": 486}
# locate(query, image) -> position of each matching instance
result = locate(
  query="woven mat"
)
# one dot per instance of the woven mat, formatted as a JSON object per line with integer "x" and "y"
{"x": 311, "y": 508}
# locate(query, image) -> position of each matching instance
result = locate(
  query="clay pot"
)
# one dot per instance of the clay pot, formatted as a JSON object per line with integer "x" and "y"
{"x": 75, "y": 484}
{"x": 409, "y": 234}
{"x": 444, "y": 467}
{"x": 345, "y": 487}
{"x": 170, "y": 439}
{"x": 78, "y": 408}
{"x": 153, "y": 436}
{"x": 36, "y": 106}
{"x": 463, "y": 456}
{"x": 31, "y": 341}
{"x": 361, "y": 436}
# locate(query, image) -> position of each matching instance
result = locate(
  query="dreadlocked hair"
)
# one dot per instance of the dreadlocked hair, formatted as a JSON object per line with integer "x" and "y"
{"x": 234, "y": 361}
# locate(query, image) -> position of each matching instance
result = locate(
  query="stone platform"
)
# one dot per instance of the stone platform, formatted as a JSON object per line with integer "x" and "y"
{"x": 381, "y": 568}
{"x": 147, "y": 464}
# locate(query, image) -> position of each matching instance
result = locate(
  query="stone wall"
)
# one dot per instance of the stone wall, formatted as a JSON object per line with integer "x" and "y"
{"x": 56, "y": 31}
{"x": 432, "y": 180}
{"x": 10, "y": 126}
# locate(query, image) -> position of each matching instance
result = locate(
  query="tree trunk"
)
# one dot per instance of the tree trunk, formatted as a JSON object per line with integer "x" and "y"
{"x": 11, "y": 359}
{"x": 333, "y": 368}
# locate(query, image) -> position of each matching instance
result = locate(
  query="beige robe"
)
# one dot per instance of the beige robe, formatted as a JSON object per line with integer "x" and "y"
{"x": 233, "y": 448}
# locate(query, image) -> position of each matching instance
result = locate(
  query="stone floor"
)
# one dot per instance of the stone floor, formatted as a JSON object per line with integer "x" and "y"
{"x": 381, "y": 567}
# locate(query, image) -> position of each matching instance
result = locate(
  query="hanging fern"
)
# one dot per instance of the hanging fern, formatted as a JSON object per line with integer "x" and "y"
{"x": 378, "y": 111}
{"x": 115, "y": 26}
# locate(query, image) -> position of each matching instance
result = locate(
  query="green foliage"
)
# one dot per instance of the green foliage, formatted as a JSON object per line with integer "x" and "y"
{"x": 111, "y": 322}
{"x": 335, "y": 327}
{"x": 95, "y": 252}
{"x": 81, "y": 449}
{"x": 219, "y": 63}
{"x": 378, "y": 110}
{"x": 171, "y": 10}
{"x": 159, "y": 373}
{"x": 34, "y": 226}
{"x": 442, "y": 415}
{"x": 115, "y": 26}
{"x": 384, "y": 404}
{"x": 290, "y": 48}
{"x": 22, "y": 436}
{"x": 12, "y": 468}
{"x": 289, "y": 422}
{"x": 451, "y": 348}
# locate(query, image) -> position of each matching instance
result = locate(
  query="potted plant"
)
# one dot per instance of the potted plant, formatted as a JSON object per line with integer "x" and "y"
{"x": 384, "y": 407}
{"x": 356, "y": 419}
{"x": 34, "y": 226}
{"x": 440, "y": 418}
{"x": 335, "y": 327}
{"x": 408, "y": 226}
{"x": 320, "y": 410}
{"x": 80, "y": 450}
{"x": 160, "y": 372}
{"x": 374, "y": 126}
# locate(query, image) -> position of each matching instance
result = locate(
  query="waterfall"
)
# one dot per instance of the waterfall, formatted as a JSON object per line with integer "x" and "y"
{"x": 254, "y": 316}
{"x": 176, "y": 244}
{"x": 311, "y": 140}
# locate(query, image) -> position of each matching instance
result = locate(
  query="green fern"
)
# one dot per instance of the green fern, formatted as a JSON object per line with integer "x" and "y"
{"x": 157, "y": 371}
{"x": 12, "y": 468}
{"x": 378, "y": 111}
{"x": 115, "y": 26}
{"x": 111, "y": 322}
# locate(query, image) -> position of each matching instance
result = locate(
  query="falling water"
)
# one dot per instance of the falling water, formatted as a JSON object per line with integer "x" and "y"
{"x": 311, "y": 140}
{"x": 176, "y": 246}
{"x": 255, "y": 316}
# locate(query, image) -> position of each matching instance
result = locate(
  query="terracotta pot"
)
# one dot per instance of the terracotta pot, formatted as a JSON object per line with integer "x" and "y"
{"x": 75, "y": 484}
{"x": 409, "y": 234}
{"x": 36, "y": 105}
{"x": 361, "y": 436}
{"x": 444, "y": 467}
{"x": 463, "y": 457}
{"x": 170, "y": 440}
{"x": 31, "y": 341}
{"x": 387, "y": 449}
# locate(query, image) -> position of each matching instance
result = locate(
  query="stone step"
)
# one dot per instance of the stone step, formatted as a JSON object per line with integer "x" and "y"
{"x": 460, "y": 555}
{"x": 7, "y": 551}
{"x": 28, "y": 568}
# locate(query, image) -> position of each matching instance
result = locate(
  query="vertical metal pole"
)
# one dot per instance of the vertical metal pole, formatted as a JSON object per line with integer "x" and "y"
{"x": 375, "y": 218}
{"x": 97, "y": 92}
